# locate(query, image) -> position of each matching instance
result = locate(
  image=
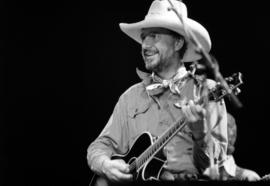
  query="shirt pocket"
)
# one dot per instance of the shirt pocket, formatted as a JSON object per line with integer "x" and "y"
{"x": 138, "y": 120}
{"x": 138, "y": 109}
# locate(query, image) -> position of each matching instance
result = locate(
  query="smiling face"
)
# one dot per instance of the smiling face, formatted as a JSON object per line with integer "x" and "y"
{"x": 160, "y": 49}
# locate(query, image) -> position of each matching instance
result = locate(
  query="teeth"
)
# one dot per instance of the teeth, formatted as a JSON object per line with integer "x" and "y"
{"x": 149, "y": 53}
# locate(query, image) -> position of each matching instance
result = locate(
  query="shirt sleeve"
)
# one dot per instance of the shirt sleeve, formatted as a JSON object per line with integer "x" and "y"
{"x": 230, "y": 166}
{"x": 214, "y": 143}
{"x": 113, "y": 138}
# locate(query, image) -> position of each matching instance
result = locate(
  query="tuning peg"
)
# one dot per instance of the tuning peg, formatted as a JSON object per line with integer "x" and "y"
{"x": 229, "y": 79}
{"x": 237, "y": 91}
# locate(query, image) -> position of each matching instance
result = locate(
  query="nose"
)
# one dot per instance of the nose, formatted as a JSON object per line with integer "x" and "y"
{"x": 147, "y": 42}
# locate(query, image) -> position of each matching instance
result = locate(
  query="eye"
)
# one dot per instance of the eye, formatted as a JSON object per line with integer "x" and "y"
{"x": 142, "y": 36}
{"x": 151, "y": 35}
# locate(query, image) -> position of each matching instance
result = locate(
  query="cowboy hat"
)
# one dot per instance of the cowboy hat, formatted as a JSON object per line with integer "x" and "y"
{"x": 159, "y": 15}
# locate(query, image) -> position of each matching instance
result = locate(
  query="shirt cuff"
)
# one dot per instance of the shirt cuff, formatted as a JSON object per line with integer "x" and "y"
{"x": 230, "y": 166}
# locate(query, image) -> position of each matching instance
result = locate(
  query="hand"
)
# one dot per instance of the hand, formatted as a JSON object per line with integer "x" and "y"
{"x": 195, "y": 114}
{"x": 250, "y": 175}
{"x": 116, "y": 170}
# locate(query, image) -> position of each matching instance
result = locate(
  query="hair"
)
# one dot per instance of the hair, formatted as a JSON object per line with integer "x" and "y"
{"x": 183, "y": 50}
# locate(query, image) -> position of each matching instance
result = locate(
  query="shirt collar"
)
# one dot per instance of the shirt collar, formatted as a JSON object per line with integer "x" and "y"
{"x": 144, "y": 76}
{"x": 180, "y": 73}
{"x": 148, "y": 78}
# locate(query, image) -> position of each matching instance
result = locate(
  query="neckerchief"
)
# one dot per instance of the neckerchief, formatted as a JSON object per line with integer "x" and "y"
{"x": 156, "y": 85}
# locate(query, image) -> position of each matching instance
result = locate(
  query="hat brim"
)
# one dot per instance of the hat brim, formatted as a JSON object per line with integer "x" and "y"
{"x": 133, "y": 30}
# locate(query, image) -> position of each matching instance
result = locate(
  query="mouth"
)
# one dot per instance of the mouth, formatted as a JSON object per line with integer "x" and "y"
{"x": 148, "y": 54}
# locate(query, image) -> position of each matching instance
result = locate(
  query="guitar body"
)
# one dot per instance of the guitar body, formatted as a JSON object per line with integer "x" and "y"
{"x": 150, "y": 171}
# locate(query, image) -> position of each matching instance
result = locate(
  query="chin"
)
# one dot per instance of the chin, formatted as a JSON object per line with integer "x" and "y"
{"x": 152, "y": 65}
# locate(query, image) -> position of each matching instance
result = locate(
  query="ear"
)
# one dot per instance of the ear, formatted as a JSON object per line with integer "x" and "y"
{"x": 179, "y": 42}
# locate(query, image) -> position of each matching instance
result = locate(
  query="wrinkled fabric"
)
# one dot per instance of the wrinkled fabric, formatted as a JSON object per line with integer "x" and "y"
{"x": 230, "y": 166}
{"x": 136, "y": 112}
{"x": 175, "y": 83}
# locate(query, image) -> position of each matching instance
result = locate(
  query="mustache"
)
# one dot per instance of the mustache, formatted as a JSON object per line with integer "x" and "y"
{"x": 146, "y": 51}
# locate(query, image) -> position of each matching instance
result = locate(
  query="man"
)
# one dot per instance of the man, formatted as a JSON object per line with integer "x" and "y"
{"x": 164, "y": 96}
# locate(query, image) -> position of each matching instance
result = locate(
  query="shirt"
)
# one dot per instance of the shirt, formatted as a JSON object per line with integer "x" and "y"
{"x": 137, "y": 112}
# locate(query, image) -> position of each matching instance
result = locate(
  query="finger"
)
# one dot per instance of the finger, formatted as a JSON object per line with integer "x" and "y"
{"x": 122, "y": 166}
{"x": 188, "y": 114}
{"x": 198, "y": 111}
{"x": 122, "y": 176}
{"x": 195, "y": 111}
{"x": 126, "y": 177}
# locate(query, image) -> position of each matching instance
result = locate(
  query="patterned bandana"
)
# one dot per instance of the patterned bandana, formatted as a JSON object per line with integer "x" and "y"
{"x": 158, "y": 85}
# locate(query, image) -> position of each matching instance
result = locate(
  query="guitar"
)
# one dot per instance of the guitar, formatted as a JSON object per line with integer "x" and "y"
{"x": 144, "y": 163}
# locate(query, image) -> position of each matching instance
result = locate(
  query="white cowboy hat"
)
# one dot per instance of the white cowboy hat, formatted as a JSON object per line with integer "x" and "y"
{"x": 159, "y": 15}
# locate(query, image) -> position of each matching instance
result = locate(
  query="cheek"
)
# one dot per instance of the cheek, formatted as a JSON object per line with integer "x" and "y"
{"x": 166, "y": 52}
{"x": 165, "y": 47}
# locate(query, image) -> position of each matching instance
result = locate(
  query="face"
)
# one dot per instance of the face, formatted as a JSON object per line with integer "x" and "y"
{"x": 160, "y": 48}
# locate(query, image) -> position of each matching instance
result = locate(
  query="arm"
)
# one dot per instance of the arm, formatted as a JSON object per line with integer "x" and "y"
{"x": 209, "y": 129}
{"x": 246, "y": 174}
{"x": 112, "y": 140}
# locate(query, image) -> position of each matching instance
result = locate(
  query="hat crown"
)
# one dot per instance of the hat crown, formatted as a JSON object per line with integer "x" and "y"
{"x": 162, "y": 8}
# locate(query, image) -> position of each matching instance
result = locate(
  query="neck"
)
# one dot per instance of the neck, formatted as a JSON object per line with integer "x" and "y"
{"x": 169, "y": 72}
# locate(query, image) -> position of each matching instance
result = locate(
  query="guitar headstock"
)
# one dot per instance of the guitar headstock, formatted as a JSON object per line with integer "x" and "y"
{"x": 233, "y": 81}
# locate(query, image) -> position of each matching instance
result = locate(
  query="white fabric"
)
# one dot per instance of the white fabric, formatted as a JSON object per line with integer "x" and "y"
{"x": 181, "y": 72}
{"x": 230, "y": 166}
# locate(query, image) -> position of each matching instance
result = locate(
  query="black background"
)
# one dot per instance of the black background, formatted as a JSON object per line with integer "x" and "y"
{"x": 64, "y": 64}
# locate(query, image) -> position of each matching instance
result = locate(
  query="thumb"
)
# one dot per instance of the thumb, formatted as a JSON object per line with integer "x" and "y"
{"x": 123, "y": 166}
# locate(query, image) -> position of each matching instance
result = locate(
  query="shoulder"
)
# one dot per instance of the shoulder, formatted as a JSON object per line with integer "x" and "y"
{"x": 134, "y": 93}
{"x": 134, "y": 89}
{"x": 135, "y": 99}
